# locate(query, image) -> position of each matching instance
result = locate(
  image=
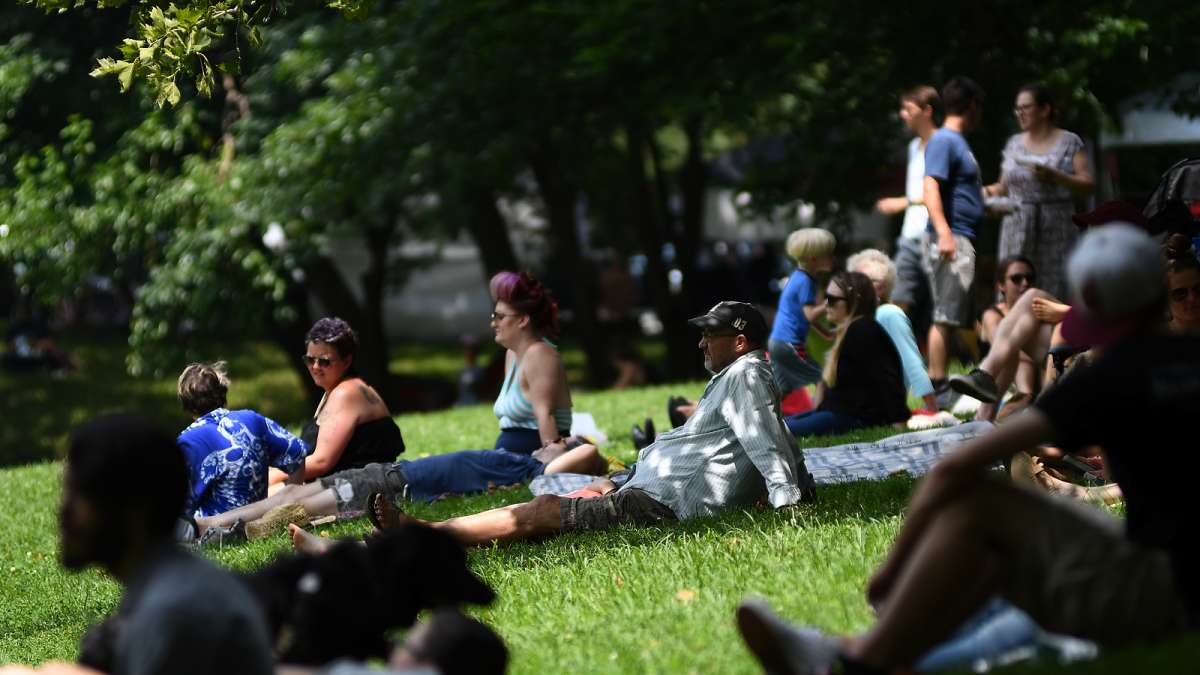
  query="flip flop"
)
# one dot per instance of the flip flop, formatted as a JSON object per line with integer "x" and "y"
{"x": 377, "y": 503}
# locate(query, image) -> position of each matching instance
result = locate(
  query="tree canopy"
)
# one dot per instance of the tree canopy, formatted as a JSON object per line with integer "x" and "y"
{"x": 250, "y": 137}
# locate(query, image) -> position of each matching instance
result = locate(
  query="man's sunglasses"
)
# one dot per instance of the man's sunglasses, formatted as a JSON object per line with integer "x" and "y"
{"x": 322, "y": 361}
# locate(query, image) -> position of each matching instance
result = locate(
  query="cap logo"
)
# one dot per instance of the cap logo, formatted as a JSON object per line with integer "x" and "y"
{"x": 738, "y": 323}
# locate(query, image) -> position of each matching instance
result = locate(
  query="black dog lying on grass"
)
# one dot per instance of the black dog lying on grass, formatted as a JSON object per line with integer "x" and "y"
{"x": 342, "y": 604}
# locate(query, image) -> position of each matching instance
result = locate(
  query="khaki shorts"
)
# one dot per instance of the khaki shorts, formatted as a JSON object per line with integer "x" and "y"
{"x": 1078, "y": 574}
{"x": 352, "y": 486}
{"x": 950, "y": 280}
{"x": 621, "y": 507}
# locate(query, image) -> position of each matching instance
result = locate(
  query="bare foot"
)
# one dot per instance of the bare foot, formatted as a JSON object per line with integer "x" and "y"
{"x": 1048, "y": 311}
{"x": 307, "y": 542}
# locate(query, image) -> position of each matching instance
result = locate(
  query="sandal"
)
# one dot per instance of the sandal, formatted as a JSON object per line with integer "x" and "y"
{"x": 382, "y": 512}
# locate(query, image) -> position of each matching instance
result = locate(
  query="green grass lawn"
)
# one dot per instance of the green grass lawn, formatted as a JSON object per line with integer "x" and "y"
{"x": 643, "y": 600}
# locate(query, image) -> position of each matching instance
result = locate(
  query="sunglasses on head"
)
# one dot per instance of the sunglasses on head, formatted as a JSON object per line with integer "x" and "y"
{"x": 1180, "y": 294}
{"x": 1021, "y": 278}
{"x": 323, "y": 361}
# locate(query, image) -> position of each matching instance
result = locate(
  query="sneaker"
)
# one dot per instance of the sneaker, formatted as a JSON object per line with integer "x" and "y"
{"x": 781, "y": 647}
{"x": 976, "y": 384}
{"x": 220, "y": 536}
{"x": 945, "y": 397}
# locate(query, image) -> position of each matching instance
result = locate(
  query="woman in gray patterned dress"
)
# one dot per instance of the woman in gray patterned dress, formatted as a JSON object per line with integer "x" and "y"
{"x": 1043, "y": 170}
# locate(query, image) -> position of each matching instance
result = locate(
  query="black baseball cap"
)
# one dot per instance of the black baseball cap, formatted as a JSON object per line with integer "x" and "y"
{"x": 739, "y": 317}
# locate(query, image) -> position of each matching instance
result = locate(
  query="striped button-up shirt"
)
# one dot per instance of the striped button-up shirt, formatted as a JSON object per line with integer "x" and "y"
{"x": 730, "y": 449}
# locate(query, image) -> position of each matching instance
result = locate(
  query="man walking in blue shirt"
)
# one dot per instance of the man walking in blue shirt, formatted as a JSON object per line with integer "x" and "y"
{"x": 954, "y": 199}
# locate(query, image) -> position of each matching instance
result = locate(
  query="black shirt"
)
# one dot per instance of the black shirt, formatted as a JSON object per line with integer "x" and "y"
{"x": 377, "y": 441}
{"x": 870, "y": 380}
{"x": 1140, "y": 402}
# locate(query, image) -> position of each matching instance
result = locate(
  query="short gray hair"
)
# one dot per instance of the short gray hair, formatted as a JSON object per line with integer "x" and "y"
{"x": 877, "y": 266}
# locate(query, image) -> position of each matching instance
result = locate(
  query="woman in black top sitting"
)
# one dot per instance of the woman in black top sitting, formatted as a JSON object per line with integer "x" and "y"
{"x": 862, "y": 384}
{"x": 352, "y": 426}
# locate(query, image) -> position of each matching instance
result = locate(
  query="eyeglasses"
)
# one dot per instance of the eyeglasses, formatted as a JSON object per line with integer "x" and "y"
{"x": 323, "y": 361}
{"x": 1180, "y": 294}
{"x": 1028, "y": 107}
{"x": 833, "y": 299}
{"x": 500, "y": 316}
{"x": 1019, "y": 279}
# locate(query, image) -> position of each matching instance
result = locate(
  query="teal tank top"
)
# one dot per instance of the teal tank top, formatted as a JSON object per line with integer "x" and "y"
{"x": 515, "y": 412}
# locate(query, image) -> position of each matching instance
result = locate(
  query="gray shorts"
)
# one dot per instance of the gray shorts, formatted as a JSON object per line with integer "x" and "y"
{"x": 629, "y": 506}
{"x": 1078, "y": 574}
{"x": 912, "y": 287}
{"x": 352, "y": 486}
{"x": 950, "y": 280}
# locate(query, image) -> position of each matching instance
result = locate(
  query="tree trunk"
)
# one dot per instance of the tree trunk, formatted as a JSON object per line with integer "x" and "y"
{"x": 489, "y": 231}
{"x": 372, "y": 357}
{"x": 693, "y": 181}
{"x": 560, "y": 198}
{"x": 680, "y": 342}
{"x": 289, "y": 337}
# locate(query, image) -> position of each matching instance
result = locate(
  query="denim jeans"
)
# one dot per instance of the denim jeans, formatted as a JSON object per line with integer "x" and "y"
{"x": 996, "y": 630}
{"x": 820, "y": 423}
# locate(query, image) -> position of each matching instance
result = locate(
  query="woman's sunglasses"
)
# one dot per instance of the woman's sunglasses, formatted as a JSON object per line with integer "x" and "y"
{"x": 1019, "y": 279}
{"x": 322, "y": 361}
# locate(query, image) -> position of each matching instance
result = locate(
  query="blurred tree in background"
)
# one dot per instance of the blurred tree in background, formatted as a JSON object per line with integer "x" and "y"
{"x": 251, "y": 138}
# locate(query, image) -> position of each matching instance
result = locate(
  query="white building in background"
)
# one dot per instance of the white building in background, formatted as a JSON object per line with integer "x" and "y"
{"x": 1151, "y": 139}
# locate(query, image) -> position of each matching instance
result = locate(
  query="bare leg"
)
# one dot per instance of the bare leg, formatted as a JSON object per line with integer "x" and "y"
{"x": 1027, "y": 375}
{"x": 584, "y": 459}
{"x": 956, "y": 566}
{"x": 939, "y": 355}
{"x": 306, "y": 542}
{"x": 317, "y": 500}
{"x": 530, "y": 520}
{"x": 1018, "y": 332}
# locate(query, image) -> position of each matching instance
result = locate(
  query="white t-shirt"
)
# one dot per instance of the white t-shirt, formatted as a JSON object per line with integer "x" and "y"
{"x": 915, "y": 216}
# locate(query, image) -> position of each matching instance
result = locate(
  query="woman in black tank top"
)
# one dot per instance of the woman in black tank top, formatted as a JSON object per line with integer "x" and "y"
{"x": 352, "y": 426}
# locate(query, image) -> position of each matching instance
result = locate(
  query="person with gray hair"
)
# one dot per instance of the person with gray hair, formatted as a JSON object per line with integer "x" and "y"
{"x": 228, "y": 452}
{"x": 882, "y": 272}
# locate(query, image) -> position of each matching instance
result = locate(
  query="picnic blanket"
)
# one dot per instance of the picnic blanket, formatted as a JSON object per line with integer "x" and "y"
{"x": 913, "y": 453}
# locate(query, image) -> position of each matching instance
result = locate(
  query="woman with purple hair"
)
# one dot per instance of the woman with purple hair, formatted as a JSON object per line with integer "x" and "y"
{"x": 534, "y": 405}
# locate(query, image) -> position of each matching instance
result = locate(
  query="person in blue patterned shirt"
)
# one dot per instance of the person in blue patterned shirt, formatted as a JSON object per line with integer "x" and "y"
{"x": 228, "y": 451}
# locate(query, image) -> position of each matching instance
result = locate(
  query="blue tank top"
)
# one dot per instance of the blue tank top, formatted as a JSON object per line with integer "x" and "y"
{"x": 514, "y": 411}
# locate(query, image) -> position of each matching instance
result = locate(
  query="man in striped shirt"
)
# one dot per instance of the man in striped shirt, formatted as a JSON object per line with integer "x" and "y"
{"x": 731, "y": 451}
